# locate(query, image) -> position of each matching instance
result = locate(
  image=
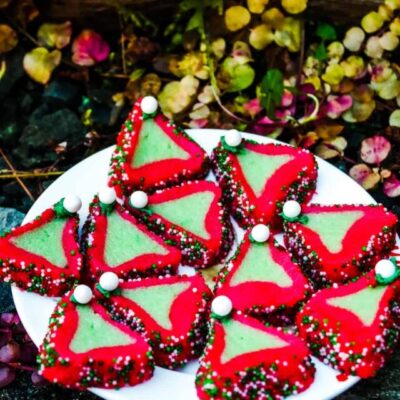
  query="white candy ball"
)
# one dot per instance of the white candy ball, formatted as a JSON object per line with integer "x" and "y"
{"x": 149, "y": 104}
{"x": 139, "y": 199}
{"x": 233, "y": 138}
{"x": 72, "y": 203}
{"x": 107, "y": 195}
{"x": 260, "y": 233}
{"x": 385, "y": 268}
{"x": 291, "y": 209}
{"x": 221, "y": 306}
{"x": 83, "y": 294}
{"x": 109, "y": 281}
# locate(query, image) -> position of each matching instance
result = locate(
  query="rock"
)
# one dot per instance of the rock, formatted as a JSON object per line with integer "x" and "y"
{"x": 46, "y": 130}
{"x": 9, "y": 217}
{"x": 62, "y": 93}
{"x": 14, "y": 71}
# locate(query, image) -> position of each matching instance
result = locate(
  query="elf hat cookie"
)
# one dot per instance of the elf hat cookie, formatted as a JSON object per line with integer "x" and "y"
{"x": 354, "y": 328}
{"x": 190, "y": 217}
{"x": 172, "y": 310}
{"x": 43, "y": 256}
{"x": 85, "y": 348}
{"x": 246, "y": 360}
{"x": 115, "y": 241}
{"x": 336, "y": 243}
{"x": 152, "y": 152}
{"x": 257, "y": 178}
{"x": 261, "y": 279}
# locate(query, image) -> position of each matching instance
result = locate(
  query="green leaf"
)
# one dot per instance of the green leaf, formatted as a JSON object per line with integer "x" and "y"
{"x": 241, "y": 75}
{"x": 272, "y": 87}
{"x": 320, "y": 52}
{"x": 326, "y": 31}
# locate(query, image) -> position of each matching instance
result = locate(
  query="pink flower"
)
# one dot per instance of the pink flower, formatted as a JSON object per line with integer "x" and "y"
{"x": 252, "y": 107}
{"x": 391, "y": 186}
{"x": 89, "y": 48}
{"x": 337, "y": 105}
{"x": 375, "y": 149}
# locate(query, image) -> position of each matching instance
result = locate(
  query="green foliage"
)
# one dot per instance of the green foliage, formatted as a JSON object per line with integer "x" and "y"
{"x": 272, "y": 87}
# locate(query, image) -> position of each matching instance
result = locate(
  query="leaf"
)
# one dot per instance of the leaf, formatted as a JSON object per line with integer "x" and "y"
{"x": 391, "y": 186}
{"x": 272, "y": 88}
{"x": 328, "y": 130}
{"x": 40, "y": 63}
{"x": 375, "y": 149}
{"x": 236, "y": 18}
{"x": 241, "y": 76}
{"x": 394, "y": 119}
{"x": 294, "y": 6}
{"x": 325, "y": 31}
{"x": 55, "y": 35}
{"x": 89, "y": 48}
{"x": 365, "y": 176}
{"x": 331, "y": 148}
{"x": 321, "y": 52}
{"x": 261, "y": 36}
{"x": 176, "y": 96}
{"x": 8, "y": 38}
{"x": 257, "y": 6}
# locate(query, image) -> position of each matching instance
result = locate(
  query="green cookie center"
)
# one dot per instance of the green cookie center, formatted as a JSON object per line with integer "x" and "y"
{"x": 258, "y": 168}
{"x": 155, "y": 145}
{"x": 188, "y": 212}
{"x": 157, "y": 300}
{"x": 45, "y": 241}
{"x": 243, "y": 339}
{"x": 333, "y": 227}
{"x": 364, "y": 304}
{"x": 124, "y": 242}
{"x": 259, "y": 266}
{"x": 94, "y": 332}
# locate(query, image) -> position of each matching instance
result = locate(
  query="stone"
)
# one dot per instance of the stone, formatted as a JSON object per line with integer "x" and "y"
{"x": 62, "y": 93}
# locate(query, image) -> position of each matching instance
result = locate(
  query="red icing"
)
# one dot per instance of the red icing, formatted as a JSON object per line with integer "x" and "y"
{"x": 141, "y": 265}
{"x": 259, "y": 297}
{"x": 289, "y": 364}
{"x": 159, "y": 173}
{"x": 54, "y": 280}
{"x": 188, "y": 316}
{"x": 352, "y": 347}
{"x": 247, "y": 207}
{"x": 106, "y": 362}
{"x": 352, "y": 259}
{"x": 217, "y": 224}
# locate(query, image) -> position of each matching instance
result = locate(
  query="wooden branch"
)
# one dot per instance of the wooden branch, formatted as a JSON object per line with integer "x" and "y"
{"x": 104, "y": 10}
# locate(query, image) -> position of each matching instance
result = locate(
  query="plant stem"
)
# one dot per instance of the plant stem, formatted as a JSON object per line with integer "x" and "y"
{"x": 22, "y": 184}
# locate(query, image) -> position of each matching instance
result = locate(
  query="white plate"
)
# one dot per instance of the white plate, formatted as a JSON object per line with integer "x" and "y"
{"x": 85, "y": 179}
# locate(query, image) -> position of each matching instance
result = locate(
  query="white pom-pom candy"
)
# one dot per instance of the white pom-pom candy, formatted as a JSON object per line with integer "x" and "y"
{"x": 139, "y": 199}
{"x": 83, "y": 294}
{"x": 72, "y": 203}
{"x": 385, "y": 268}
{"x": 221, "y": 306}
{"x": 260, "y": 233}
{"x": 233, "y": 138}
{"x": 109, "y": 281}
{"x": 291, "y": 209}
{"x": 149, "y": 104}
{"x": 107, "y": 195}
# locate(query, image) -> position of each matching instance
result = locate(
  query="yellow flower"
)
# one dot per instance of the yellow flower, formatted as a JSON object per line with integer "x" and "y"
{"x": 389, "y": 41}
{"x": 354, "y": 38}
{"x": 353, "y": 66}
{"x": 289, "y": 35}
{"x": 395, "y": 26}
